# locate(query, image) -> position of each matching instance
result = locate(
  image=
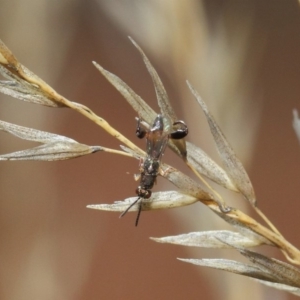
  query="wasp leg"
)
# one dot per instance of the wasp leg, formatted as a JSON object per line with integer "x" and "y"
{"x": 167, "y": 171}
{"x": 137, "y": 176}
{"x": 140, "y": 132}
{"x": 141, "y": 163}
{"x": 180, "y": 132}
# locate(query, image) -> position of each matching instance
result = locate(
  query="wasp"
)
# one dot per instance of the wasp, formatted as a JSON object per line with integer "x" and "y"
{"x": 156, "y": 141}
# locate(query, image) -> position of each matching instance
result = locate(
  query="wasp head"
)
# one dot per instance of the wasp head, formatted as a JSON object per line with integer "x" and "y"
{"x": 143, "y": 193}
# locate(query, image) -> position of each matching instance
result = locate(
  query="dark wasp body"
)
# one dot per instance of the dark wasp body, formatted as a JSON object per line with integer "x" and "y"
{"x": 156, "y": 142}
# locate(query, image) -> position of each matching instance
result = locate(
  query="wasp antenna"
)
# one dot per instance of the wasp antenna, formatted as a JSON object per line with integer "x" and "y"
{"x": 127, "y": 209}
{"x": 138, "y": 215}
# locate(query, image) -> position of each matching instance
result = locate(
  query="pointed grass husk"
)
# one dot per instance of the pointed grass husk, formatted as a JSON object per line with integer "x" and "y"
{"x": 178, "y": 146}
{"x": 263, "y": 276}
{"x": 283, "y": 272}
{"x": 212, "y": 239}
{"x": 56, "y": 147}
{"x": 232, "y": 164}
{"x": 263, "y": 268}
{"x": 20, "y": 89}
{"x": 232, "y": 267}
{"x": 207, "y": 167}
{"x": 248, "y": 226}
{"x": 158, "y": 201}
{"x": 52, "y": 152}
{"x": 31, "y": 134}
{"x": 137, "y": 103}
{"x": 23, "y": 81}
{"x": 161, "y": 94}
{"x": 281, "y": 287}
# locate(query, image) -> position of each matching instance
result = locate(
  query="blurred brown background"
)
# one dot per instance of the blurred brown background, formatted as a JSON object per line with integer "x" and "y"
{"x": 244, "y": 59}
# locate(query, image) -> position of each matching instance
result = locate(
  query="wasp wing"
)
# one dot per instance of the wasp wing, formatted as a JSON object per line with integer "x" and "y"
{"x": 156, "y": 139}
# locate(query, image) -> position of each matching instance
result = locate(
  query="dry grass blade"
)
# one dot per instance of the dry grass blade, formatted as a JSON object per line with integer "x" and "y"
{"x": 207, "y": 167}
{"x": 232, "y": 164}
{"x": 52, "y": 152}
{"x": 211, "y": 239}
{"x": 137, "y": 103}
{"x": 159, "y": 200}
{"x": 233, "y": 267}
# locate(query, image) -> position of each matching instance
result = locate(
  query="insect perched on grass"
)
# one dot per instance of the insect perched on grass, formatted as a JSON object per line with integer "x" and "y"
{"x": 156, "y": 142}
